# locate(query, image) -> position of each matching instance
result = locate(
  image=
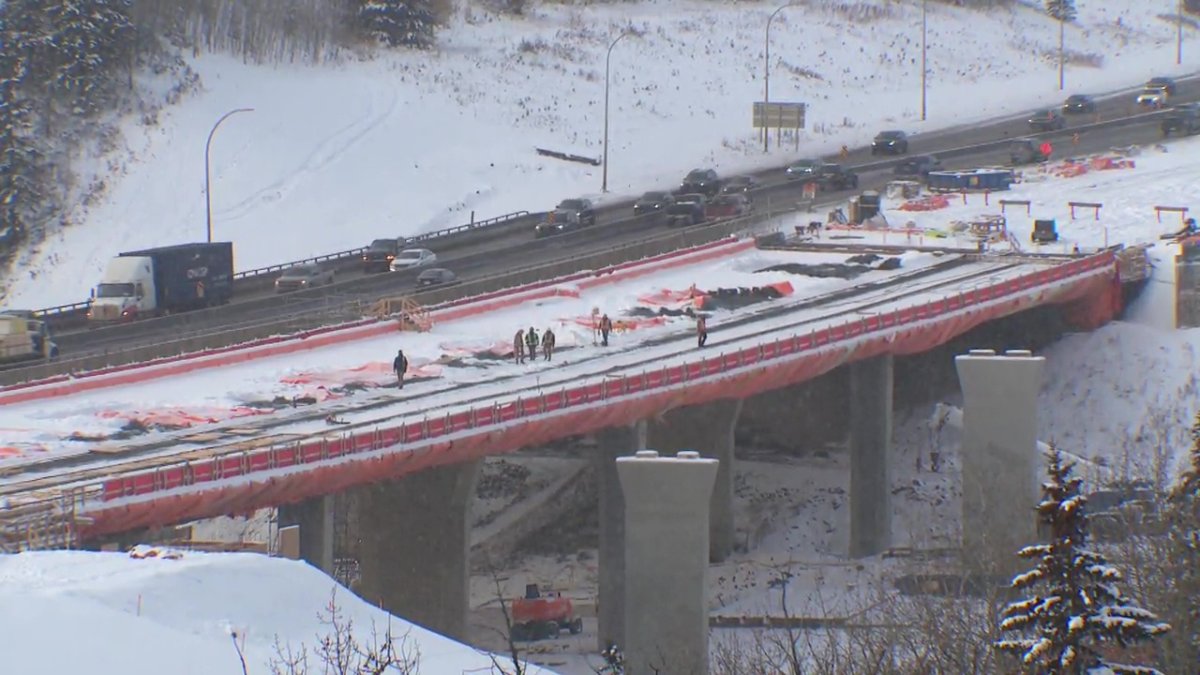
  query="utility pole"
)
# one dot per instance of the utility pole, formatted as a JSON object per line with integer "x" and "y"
{"x": 1179, "y": 33}
{"x": 1062, "y": 29}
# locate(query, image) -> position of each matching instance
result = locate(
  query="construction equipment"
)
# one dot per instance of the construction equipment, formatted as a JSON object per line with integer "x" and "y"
{"x": 1044, "y": 231}
{"x": 540, "y": 615}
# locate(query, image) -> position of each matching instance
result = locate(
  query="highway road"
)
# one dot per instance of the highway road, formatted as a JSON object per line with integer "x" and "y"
{"x": 512, "y": 244}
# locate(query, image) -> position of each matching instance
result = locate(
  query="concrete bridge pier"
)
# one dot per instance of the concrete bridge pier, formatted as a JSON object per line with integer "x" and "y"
{"x": 315, "y": 518}
{"x": 707, "y": 429}
{"x": 612, "y": 443}
{"x": 412, "y": 545}
{"x": 871, "y": 384}
{"x": 1000, "y": 467}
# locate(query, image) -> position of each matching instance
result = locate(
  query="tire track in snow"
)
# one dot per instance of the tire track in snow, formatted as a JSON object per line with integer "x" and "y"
{"x": 380, "y": 106}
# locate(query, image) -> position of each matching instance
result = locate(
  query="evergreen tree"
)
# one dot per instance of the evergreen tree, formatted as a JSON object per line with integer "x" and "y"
{"x": 91, "y": 40}
{"x": 1078, "y": 609}
{"x": 1061, "y": 10}
{"x": 1184, "y": 535}
{"x": 397, "y": 23}
{"x": 17, "y": 157}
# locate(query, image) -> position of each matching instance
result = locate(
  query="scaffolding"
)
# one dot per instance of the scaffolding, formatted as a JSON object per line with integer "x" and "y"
{"x": 409, "y": 314}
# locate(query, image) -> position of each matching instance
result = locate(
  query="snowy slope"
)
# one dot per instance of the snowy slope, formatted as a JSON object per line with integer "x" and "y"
{"x": 401, "y": 143}
{"x": 110, "y": 614}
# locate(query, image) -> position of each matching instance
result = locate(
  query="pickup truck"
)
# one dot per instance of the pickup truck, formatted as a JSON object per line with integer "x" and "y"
{"x": 1183, "y": 119}
{"x": 835, "y": 177}
{"x": 380, "y": 253}
{"x": 727, "y": 206}
{"x": 687, "y": 210}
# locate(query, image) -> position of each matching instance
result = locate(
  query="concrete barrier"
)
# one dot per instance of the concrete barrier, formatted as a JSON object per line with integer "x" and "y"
{"x": 196, "y": 359}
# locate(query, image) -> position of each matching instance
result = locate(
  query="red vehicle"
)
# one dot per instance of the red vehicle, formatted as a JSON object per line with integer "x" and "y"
{"x": 541, "y": 615}
{"x": 727, "y": 206}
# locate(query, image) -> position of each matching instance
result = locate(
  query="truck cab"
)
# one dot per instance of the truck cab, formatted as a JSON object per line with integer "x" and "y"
{"x": 126, "y": 291}
{"x": 22, "y": 338}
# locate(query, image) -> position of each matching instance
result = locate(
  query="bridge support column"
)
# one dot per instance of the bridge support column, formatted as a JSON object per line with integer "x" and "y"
{"x": 610, "y": 609}
{"x": 1000, "y": 464}
{"x": 666, "y": 557}
{"x": 870, "y": 442}
{"x": 707, "y": 429}
{"x": 315, "y": 519}
{"x": 413, "y": 546}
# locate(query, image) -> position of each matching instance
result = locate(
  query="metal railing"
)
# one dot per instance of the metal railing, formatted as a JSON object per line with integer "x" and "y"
{"x": 349, "y": 254}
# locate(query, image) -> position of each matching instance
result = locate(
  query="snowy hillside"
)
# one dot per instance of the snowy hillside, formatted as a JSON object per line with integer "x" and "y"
{"x": 110, "y": 614}
{"x": 401, "y": 143}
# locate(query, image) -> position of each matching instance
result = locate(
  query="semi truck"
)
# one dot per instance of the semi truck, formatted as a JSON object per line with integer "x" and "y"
{"x": 23, "y": 338}
{"x": 158, "y": 281}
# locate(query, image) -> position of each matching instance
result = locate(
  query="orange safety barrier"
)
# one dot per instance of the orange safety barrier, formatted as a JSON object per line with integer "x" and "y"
{"x": 927, "y": 203}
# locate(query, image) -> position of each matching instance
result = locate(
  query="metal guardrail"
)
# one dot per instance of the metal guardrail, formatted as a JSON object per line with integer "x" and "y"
{"x": 349, "y": 254}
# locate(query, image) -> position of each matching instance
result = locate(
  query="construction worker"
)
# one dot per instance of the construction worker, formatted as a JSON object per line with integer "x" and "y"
{"x": 844, "y": 152}
{"x": 605, "y": 329}
{"x": 531, "y": 341}
{"x": 701, "y": 330}
{"x": 400, "y": 366}
{"x": 1046, "y": 149}
{"x": 519, "y": 346}
{"x": 548, "y": 344}
{"x": 1075, "y": 138}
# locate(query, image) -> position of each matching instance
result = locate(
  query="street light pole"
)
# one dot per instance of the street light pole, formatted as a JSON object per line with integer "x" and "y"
{"x": 1062, "y": 29}
{"x": 924, "y": 70}
{"x": 767, "y": 73}
{"x": 607, "y": 60}
{"x": 208, "y": 172}
{"x": 1179, "y": 33}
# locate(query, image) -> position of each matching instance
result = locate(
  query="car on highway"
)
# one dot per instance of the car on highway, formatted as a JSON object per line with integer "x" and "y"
{"x": 1047, "y": 120}
{"x": 300, "y": 277}
{"x": 687, "y": 210}
{"x": 1152, "y": 97}
{"x": 802, "y": 169}
{"x": 380, "y": 253}
{"x": 917, "y": 166}
{"x": 830, "y": 176}
{"x": 890, "y": 142}
{"x": 1078, "y": 104}
{"x": 1167, "y": 83}
{"x": 700, "y": 181}
{"x": 558, "y": 222}
{"x": 727, "y": 206}
{"x": 1182, "y": 119}
{"x": 412, "y": 257}
{"x": 652, "y": 202}
{"x": 739, "y": 185}
{"x": 581, "y": 209}
{"x": 436, "y": 276}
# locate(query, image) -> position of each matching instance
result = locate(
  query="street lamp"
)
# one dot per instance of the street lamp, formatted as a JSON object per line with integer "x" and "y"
{"x": 1062, "y": 28}
{"x": 1179, "y": 33}
{"x": 607, "y": 60}
{"x": 208, "y": 173}
{"x": 767, "y": 73}
{"x": 924, "y": 70}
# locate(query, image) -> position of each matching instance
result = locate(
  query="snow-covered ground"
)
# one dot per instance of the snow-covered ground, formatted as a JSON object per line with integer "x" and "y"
{"x": 401, "y": 143}
{"x": 77, "y": 612}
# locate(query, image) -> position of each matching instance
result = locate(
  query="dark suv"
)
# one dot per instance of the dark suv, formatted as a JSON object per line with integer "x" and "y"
{"x": 835, "y": 177}
{"x": 379, "y": 255}
{"x": 700, "y": 181}
{"x": 1182, "y": 119}
{"x": 1078, "y": 104}
{"x": 652, "y": 202}
{"x": 918, "y": 166}
{"x": 582, "y": 210}
{"x": 688, "y": 209}
{"x": 1047, "y": 120}
{"x": 892, "y": 142}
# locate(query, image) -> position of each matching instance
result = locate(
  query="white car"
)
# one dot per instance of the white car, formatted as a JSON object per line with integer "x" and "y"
{"x": 413, "y": 257}
{"x": 1153, "y": 97}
